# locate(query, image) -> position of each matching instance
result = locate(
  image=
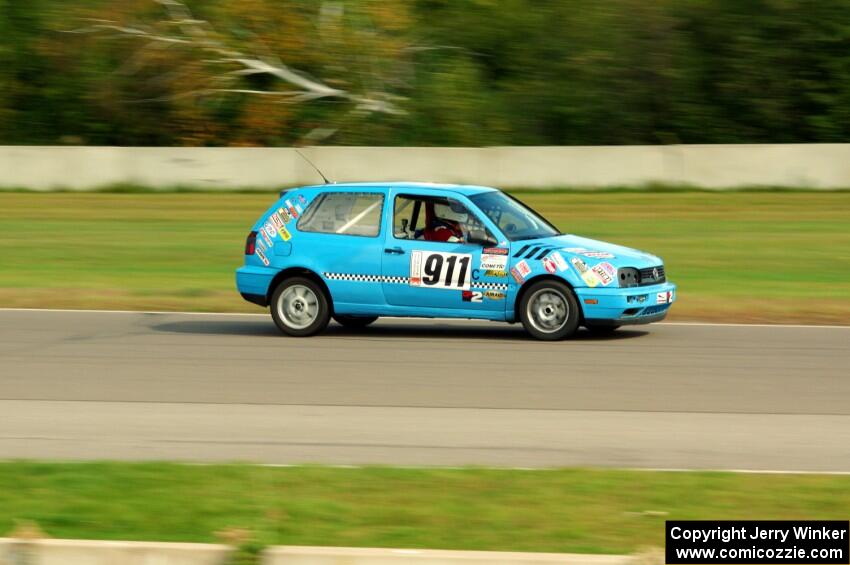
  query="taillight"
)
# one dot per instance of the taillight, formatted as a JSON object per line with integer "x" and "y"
{"x": 251, "y": 243}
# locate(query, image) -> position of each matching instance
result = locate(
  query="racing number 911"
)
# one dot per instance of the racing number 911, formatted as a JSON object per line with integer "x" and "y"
{"x": 435, "y": 269}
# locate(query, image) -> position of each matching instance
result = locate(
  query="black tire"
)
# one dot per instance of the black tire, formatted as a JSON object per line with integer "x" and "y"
{"x": 602, "y": 330}
{"x": 354, "y": 322}
{"x": 549, "y": 311}
{"x": 295, "y": 320}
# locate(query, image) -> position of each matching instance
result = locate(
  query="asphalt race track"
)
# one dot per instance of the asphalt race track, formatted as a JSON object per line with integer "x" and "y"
{"x": 86, "y": 385}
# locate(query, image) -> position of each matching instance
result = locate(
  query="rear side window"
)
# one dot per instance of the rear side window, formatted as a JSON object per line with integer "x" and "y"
{"x": 344, "y": 213}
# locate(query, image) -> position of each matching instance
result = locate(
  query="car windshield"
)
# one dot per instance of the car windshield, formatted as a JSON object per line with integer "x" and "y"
{"x": 516, "y": 220}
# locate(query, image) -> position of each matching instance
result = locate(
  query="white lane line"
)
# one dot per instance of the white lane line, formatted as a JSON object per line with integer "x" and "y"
{"x": 71, "y": 310}
{"x": 742, "y": 471}
{"x": 462, "y": 320}
{"x": 721, "y": 324}
{"x": 467, "y": 468}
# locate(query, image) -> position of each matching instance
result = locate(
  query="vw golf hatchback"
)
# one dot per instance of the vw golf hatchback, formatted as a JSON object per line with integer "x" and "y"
{"x": 355, "y": 252}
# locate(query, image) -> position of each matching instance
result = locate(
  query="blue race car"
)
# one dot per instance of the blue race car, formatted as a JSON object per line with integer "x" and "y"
{"x": 354, "y": 252}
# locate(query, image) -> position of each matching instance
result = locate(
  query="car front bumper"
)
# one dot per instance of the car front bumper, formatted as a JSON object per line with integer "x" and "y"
{"x": 624, "y": 306}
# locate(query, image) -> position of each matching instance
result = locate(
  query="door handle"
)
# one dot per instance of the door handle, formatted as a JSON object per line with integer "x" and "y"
{"x": 394, "y": 250}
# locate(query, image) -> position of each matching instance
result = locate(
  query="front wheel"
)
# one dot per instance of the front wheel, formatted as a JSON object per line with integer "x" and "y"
{"x": 300, "y": 307}
{"x": 549, "y": 311}
{"x": 354, "y": 322}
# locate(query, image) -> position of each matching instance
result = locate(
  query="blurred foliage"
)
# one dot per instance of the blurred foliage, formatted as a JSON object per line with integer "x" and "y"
{"x": 465, "y": 72}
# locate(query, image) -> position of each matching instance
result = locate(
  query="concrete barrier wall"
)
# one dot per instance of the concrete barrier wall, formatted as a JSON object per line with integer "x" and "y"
{"x": 817, "y": 166}
{"x": 362, "y": 556}
{"x": 87, "y": 552}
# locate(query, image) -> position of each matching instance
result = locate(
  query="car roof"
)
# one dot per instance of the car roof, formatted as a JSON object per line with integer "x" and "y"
{"x": 465, "y": 189}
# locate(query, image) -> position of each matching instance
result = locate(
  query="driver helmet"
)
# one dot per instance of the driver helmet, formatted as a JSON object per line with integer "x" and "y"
{"x": 452, "y": 211}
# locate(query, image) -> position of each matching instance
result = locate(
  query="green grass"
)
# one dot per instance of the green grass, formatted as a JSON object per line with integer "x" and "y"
{"x": 737, "y": 256}
{"x": 586, "y": 511}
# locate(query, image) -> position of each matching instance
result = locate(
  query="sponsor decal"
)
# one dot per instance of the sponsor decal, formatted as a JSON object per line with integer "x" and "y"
{"x": 580, "y": 265}
{"x": 517, "y": 277}
{"x": 497, "y": 261}
{"x": 477, "y": 274}
{"x": 549, "y": 265}
{"x": 284, "y": 215}
{"x": 291, "y": 209}
{"x": 589, "y": 253}
{"x": 270, "y": 230}
{"x": 588, "y": 276}
{"x": 299, "y": 208}
{"x": 664, "y": 297}
{"x": 275, "y": 218}
{"x": 433, "y": 269}
{"x": 284, "y": 233}
{"x": 605, "y": 272}
{"x": 558, "y": 259}
{"x": 260, "y": 245}
{"x": 472, "y": 296}
{"x": 265, "y": 236}
{"x": 523, "y": 269}
{"x": 262, "y": 257}
{"x": 589, "y": 279}
{"x": 495, "y": 295}
{"x": 415, "y": 267}
{"x": 302, "y": 199}
{"x": 598, "y": 254}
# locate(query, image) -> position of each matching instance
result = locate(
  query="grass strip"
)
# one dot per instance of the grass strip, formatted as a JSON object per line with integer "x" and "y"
{"x": 571, "y": 510}
{"x": 737, "y": 256}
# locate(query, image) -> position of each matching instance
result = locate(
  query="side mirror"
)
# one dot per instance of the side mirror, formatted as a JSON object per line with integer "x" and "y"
{"x": 481, "y": 237}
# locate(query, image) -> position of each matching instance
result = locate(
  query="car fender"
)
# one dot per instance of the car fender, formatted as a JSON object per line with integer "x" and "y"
{"x": 526, "y": 272}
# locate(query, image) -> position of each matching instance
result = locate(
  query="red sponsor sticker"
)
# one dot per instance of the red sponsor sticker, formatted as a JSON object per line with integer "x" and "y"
{"x": 517, "y": 277}
{"x": 495, "y": 251}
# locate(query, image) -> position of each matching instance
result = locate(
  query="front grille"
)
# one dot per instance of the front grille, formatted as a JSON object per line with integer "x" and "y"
{"x": 652, "y": 310}
{"x": 647, "y": 276}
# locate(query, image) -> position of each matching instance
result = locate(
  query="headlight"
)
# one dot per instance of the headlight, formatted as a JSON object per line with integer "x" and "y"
{"x": 628, "y": 277}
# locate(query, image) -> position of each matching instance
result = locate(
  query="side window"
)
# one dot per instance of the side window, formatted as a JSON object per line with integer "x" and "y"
{"x": 344, "y": 213}
{"x": 405, "y": 216}
{"x": 427, "y": 218}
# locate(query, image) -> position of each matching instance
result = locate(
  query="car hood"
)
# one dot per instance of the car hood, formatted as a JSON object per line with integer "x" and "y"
{"x": 573, "y": 245}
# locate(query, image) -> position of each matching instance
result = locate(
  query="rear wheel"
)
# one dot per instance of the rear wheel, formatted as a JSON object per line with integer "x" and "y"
{"x": 300, "y": 307}
{"x": 549, "y": 311}
{"x": 354, "y": 322}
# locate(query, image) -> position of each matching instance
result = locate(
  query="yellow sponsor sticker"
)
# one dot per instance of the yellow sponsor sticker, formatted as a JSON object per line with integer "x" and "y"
{"x": 495, "y": 273}
{"x": 284, "y": 233}
{"x": 590, "y": 279}
{"x": 495, "y": 294}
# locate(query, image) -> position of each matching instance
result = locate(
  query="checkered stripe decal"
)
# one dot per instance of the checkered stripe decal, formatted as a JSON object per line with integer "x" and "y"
{"x": 401, "y": 280}
{"x": 489, "y": 286}
{"x": 365, "y": 278}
